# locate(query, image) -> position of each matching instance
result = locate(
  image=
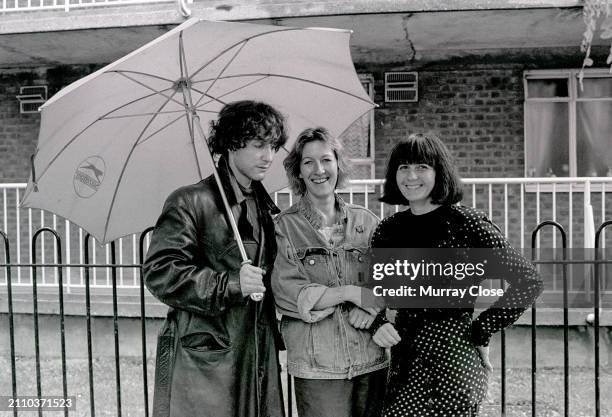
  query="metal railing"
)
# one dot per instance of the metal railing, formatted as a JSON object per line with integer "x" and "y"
{"x": 11, "y": 6}
{"x": 516, "y": 205}
{"x": 118, "y": 404}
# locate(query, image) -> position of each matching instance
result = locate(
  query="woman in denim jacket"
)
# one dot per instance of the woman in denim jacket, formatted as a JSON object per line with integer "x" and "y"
{"x": 319, "y": 270}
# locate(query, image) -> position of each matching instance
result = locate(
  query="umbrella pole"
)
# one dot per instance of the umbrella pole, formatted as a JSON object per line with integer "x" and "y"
{"x": 228, "y": 209}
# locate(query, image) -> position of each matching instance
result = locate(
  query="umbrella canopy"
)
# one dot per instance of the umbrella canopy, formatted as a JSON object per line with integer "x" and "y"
{"x": 113, "y": 145}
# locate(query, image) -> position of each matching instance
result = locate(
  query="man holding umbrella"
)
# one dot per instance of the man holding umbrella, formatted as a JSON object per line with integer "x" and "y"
{"x": 217, "y": 352}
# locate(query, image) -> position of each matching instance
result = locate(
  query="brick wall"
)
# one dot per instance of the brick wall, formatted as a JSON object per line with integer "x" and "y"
{"x": 18, "y": 133}
{"x": 478, "y": 113}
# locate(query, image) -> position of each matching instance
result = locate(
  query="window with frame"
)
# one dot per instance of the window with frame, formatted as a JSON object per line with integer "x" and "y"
{"x": 568, "y": 129}
{"x": 358, "y": 139}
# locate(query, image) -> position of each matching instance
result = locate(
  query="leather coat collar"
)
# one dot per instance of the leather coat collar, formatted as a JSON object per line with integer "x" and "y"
{"x": 234, "y": 193}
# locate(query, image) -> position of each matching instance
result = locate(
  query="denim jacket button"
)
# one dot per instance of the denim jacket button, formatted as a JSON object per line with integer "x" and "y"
{"x": 311, "y": 262}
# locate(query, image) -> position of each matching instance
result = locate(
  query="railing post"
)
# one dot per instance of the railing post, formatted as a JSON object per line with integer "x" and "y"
{"x": 145, "y": 378}
{"x": 534, "y": 246}
{"x": 596, "y": 318}
{"x": 58, "y": 256}
{"x": 9, "y": 289}
{"x": 88, "y": 314}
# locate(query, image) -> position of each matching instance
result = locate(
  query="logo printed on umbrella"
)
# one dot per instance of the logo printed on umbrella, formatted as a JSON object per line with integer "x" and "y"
{"x": 89, "y": 176}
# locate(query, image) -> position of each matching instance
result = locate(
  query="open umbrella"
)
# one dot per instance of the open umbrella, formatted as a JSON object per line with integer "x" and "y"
{"x": 113, "y": 145}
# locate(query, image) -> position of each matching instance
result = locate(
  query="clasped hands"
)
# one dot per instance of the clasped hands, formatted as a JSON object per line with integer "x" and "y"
{"x": 362, "y": 315}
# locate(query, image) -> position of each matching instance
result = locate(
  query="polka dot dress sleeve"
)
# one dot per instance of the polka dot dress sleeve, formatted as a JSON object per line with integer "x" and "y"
{"x": 524, "y": 282}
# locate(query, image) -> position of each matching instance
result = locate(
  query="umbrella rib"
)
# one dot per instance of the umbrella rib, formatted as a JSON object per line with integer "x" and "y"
{"x": 160, "y": 129}
{"x": 229, "y": 92}
{"x": 159, "y": 92}
{"x": 290, "y": 77}
{"x": 127, "y": 160}
{"x": 220, "y": 54}
{"x": 146, "y": 74}
{"x": 75, "y": 137}
{"x": 142, "y": 114}
{"x": 221, "y": 72}
{"x": 182, "y": 58}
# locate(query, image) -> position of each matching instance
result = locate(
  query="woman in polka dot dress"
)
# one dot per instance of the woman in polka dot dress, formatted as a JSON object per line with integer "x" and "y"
{"x": 439, "y": 356}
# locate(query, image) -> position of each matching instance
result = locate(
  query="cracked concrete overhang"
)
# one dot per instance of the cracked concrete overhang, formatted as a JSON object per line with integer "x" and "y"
{"x": 410, "y": 37}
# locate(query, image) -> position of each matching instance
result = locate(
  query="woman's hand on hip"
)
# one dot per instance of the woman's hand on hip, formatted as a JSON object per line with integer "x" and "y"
{"x": 386, "y": 336}
{"x": 483, "y": 352}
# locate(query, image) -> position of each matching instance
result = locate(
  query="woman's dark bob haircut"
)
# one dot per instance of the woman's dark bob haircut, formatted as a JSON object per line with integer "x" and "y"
{"x": 242, "y": 121}
{"x": 427, "y": 149}
{"x": 294, "y": 159}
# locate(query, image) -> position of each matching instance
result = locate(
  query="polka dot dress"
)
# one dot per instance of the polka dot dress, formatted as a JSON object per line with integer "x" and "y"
{"x": 436, "y": 370}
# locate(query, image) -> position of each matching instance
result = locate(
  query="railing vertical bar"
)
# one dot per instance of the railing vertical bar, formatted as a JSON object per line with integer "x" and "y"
{"x": 538, "y": 211}
{"x": 366, "y": 197}
{"x": 35, "y": 312}
{"x": 109, "y": 270}
{"x": 5, "y": 209}
{"x": 290, "y": 198}
{"x": 534, "y": 245}
{"x": 85, "y": 254}
{"x": 121, "y": 261}
{"x": 93, "y": 253}
{"x": 145, "y": 378}
{"x": 68, "y": 256}
{"x": 554, "y": 215}
{"x": 522, "y": 215}
{"x": 571, "y": 215}
{"x": 81, "y": 272}
{"x": 565, "y": 330}
{"x": 29, "y": 239}
{"x": 596, "y": 302}
{"x": 9, "y": 293}
{"x": 115, "y": 325}
{"x": 503, "y": 332}
{"x": 598, "y": 239}
{"x": 351, "y": 194}
{"x": 490, "y": 201}
{"x": 54, "y": 217}
{"x": 603, "y": 214}
{"x": 42, "y": 245}
{"x": 60, "y": 288}
{"x": 382, "y": 205}
{"x": 18, "y": 231}
{"x": 135, "y": 273}
{"x": 474, "y": 195}
{"x": 289, "y": 395}
{"x": 506, "y": 210}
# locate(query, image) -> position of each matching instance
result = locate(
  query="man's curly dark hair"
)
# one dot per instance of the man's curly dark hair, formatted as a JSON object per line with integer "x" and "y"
{"x": 241, "y": 121}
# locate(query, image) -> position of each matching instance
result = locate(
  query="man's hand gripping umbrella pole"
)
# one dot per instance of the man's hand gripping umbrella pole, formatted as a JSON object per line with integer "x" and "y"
{"x": 256, "y": 296}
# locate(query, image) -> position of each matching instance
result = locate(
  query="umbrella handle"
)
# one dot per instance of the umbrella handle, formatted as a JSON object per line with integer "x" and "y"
{"x": 255, "y": 296}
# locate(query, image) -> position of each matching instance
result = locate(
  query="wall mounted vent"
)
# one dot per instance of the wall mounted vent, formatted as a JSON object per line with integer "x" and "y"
{"x": 401, "y": 87}
{"x": 31, "y": 98}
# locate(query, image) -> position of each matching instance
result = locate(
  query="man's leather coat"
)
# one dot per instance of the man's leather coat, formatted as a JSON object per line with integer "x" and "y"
{"x": 217, "y": 352}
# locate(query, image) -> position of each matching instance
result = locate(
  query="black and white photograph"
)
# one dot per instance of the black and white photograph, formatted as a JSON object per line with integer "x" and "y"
{"x": 333, "y": 208}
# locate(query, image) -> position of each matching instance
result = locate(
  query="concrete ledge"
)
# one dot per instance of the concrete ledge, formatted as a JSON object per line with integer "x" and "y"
{"x": 168, "y": 13}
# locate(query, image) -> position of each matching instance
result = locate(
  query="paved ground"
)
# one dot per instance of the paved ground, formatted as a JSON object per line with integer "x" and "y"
{"x": 518, "y": 404}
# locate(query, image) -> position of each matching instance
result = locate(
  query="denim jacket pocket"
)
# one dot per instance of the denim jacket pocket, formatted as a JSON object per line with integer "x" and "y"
{"x": 327, "y": 345}
{"x": 316, "y": 263}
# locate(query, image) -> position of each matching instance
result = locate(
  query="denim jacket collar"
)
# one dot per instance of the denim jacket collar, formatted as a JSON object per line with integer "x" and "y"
{"x": 314, "y": 217}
